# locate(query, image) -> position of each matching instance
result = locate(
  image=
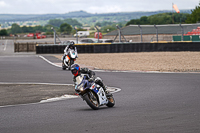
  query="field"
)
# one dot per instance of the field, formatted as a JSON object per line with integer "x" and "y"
{"x": 144, "y": 61}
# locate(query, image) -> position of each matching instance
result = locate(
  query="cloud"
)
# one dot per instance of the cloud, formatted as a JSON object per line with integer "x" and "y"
{"x": 91, "y": 6}
{"x": 3, "y": 4}
{"x": 104, "y": 9}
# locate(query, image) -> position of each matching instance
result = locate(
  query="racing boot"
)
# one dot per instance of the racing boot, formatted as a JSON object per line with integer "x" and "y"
{"x": 99, "y": 81}
{"x": 63, "y": 58}
{"x": 106, "y": 91}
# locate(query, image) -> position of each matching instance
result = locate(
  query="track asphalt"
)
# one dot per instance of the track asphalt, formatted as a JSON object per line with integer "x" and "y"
{"x": 24, "y": 93}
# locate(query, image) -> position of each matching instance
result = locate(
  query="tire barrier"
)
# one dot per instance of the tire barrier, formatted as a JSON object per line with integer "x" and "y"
{"x": 121, "y": 47}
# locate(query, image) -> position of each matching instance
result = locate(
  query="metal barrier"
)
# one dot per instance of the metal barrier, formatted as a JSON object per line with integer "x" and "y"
{"x": 148, "y": 33}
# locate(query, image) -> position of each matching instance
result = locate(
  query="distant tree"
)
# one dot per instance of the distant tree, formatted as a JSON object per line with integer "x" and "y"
{"x": 3, "y": 32}
{"x": 66, "y": 28}
{"x": 15, "y": 28}
{"x": 98, "y": 24}
{"x": 30, "y": 29}
{"x": 161, "y": 18}
{"x": 180, "y": 17}
{"x": 49, "y": 33}
{"x": 92, "y": 28}
{"x": 47, "y": 28}
{"x": 72, "y": 22}
{"x": 55, "y": 22}
{"x": 144, "y": 20}
{"x": 39, "y": 28}
{"x": 108, "y": 28}
{"x": 119, "y": 24}
{"x": 105, "y": 23}
{"x": 194, "y": 17}
{"x": 25, "y": 29}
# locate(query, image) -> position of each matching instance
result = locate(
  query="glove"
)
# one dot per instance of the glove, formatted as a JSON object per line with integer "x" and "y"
{"x": 90, "y": 79}
{"x": 74, "y": 80}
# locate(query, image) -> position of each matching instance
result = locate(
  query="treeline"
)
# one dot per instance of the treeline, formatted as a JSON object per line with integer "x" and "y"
{"x": 108, "y": 26}
{"x": 3, "y": 32}
{"x": 15, "y": 29}
{"x": 58, "y": 22}
{"x": 62, "y": 26}
{"x": 163, "y": 18}
{"x": 194, "y": 17}
{"x": 65, "y": 26}
{"x": 169, "y": 18}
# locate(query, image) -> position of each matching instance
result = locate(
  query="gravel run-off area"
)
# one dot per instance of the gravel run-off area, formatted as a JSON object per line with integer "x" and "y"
{"x": 142, "y": 61}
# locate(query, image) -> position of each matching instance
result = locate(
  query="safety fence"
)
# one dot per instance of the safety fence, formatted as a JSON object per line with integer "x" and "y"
{"x": 149, "y": 33}
{"x": 121, "y": 47}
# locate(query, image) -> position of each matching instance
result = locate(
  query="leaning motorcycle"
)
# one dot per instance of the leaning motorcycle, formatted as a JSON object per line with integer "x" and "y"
{"x": 69, "y": 60}
{"x": 92, "y": 93}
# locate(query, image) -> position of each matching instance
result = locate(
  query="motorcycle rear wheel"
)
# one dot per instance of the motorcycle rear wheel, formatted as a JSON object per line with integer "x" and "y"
{"x": 111, "y": 101}
{"x": 92, "y": 100}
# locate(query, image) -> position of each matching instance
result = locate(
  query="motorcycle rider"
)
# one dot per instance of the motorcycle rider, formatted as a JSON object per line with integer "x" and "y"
{"x": 69, "y": 48}
{"x": 77, "y": 71}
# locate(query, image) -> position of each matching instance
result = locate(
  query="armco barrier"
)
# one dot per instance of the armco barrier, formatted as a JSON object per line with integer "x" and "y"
{"x": 121, "y": 47}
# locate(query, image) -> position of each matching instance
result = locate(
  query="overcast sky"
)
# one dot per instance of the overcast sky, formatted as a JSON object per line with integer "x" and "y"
{"x": 90, "y": 6}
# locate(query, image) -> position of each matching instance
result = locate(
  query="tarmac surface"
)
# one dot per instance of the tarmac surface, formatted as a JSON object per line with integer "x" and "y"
{"x": 24, "y": 93}
{"x": 147, "y": 103}
{"x": 12, "y": 94}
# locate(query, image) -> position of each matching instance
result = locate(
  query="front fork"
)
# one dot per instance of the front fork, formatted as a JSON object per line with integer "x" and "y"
{"x": 66, "y": 61}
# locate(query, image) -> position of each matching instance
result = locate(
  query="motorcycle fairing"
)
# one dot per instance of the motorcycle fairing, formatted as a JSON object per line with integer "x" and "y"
{"x": 102, "y": 96}
{"x": 72, "y": 54}
{"x": 100, "y": 92}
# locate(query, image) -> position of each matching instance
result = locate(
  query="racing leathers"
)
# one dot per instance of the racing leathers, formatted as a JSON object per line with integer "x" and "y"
{"x": 91, "y": 78}
{"x": 67, "y": 49}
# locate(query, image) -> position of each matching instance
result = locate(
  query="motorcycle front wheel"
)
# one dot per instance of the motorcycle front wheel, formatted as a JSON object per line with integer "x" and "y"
{"x": 92, "y": 100}
{"x": 63, "y": 66}
{"x": 71, "y": 62}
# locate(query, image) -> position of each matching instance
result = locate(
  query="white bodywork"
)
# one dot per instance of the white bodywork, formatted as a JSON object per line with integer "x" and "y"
{"x": 72, "y": 54}
{"x": 102, "y": 96}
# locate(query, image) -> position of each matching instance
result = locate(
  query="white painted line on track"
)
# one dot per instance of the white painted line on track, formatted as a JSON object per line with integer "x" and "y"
{"x": 49, "y": 61}
{"x": 64, "y": 97}
{"x": 110, "y": 89}
{"x": 59, "y": 98}
{"x": 5, "y": 45}
{"x": 29, "y": 83}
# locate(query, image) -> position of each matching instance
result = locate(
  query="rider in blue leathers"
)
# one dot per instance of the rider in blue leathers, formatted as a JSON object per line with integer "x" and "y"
{"x": 76, "y": 71}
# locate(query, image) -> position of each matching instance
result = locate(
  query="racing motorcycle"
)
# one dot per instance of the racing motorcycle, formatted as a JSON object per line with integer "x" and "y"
{"x": 92, "y": 93}
{"x": 69, "y": 60}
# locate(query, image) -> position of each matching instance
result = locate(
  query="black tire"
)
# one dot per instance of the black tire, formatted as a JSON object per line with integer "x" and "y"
{"x": 111, "y": 101}
{"x": 63, "y": 67}
{"x": 92, "y": 100}
{"x": 70, "y": 63}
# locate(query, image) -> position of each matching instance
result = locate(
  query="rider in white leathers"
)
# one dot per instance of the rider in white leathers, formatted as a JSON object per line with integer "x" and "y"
{"x": 69, "y": 48}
